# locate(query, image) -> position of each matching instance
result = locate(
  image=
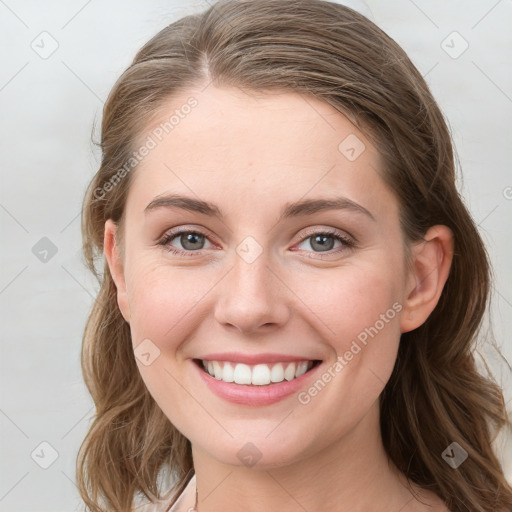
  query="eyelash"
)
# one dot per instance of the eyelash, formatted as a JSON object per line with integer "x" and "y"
{"x": 347, "y": 242}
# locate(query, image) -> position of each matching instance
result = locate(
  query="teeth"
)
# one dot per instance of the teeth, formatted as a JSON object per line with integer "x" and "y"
{"x": 228, "y": 373}
{"x": 217, "y": 370}
{"x": 260, "y": 375}
{"x": 302, "y": 368}
{"x": 289, "y": 373}
{"x": 257, "y": 375}
{"x": 242, "y": 374}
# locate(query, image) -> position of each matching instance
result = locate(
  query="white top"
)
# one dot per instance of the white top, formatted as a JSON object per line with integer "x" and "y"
{"x": 184, "y": 503}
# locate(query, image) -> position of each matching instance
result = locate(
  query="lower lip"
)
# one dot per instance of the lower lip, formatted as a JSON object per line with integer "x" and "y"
{"x": 243, "y": 394}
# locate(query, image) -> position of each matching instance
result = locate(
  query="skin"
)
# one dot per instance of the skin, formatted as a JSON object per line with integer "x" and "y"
{"x": 251, "y": 155}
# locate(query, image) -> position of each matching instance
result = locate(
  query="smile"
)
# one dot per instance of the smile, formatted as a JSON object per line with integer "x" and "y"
{"x": 259, "y": 374}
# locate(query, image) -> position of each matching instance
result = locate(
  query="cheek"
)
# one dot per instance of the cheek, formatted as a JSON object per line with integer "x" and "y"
{"x": 164, "y": 304}
{"x": 164, "y": 301}
{"x": 358, "y": 313}
{"x": 350, "y": 299}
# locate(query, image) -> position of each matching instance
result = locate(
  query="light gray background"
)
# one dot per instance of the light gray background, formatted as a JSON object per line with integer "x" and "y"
{"x": 47, "y": 109}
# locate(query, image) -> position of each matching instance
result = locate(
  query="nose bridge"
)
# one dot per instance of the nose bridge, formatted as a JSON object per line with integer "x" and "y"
{"x": 251, "y": 273}
{"x": 251, "y": 296}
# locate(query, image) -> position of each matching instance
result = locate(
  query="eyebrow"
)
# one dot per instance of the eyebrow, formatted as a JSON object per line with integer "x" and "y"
{"x": 304, "y": 207}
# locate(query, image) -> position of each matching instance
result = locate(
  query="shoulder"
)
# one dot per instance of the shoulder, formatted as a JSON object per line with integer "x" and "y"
{"x": 146, "y": 507}
{"x": 159, "y": 506}
{"x": 183, "y": 503}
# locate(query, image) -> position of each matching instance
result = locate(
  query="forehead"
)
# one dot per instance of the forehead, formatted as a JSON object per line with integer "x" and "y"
{"x": 275, "y": 146}
{"x": 230, "y": 123}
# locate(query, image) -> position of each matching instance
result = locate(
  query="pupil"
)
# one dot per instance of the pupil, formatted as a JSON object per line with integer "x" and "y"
{"x": 321, "y": 240}
{"x": 190, "y": 238}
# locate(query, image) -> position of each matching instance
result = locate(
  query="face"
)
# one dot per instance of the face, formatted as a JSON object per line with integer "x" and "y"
{"x": 264, "y": 276}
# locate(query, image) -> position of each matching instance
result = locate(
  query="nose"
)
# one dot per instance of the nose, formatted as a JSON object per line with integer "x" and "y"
{"x": 252, "y": 297}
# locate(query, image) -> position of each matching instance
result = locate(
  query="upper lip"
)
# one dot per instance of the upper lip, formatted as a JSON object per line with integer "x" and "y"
{"x": 237, "y": 357}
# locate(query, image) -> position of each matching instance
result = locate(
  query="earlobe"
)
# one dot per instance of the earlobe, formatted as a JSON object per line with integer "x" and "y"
{"x": 432, "y": 260}
{"x": 115, "y": 264}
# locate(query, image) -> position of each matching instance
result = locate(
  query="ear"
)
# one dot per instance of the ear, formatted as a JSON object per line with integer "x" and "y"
{"x": 432, "y": 259}
{"x": 115, "y": 263}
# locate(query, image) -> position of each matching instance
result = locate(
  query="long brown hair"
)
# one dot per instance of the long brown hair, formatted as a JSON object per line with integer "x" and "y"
{"x": 435, "y": 395}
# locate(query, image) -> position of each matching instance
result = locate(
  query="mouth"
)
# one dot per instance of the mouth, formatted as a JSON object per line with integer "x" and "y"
{"x": 262, "y": 374}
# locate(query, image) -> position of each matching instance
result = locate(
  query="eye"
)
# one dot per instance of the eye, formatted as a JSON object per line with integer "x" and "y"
{"x": 323, "y": 242}
{"x": 191, "y": 241}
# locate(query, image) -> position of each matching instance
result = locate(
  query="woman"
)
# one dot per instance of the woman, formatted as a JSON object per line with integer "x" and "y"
{"x": 292, "y": 284}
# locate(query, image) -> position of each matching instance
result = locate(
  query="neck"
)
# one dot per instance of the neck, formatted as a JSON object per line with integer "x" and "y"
{"x": 353, "y": 473}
